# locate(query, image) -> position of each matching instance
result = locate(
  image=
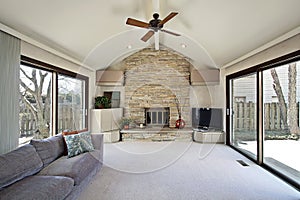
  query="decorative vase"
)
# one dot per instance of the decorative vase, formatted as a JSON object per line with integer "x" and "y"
{"x": 180, "y": 123}
{"x": 126, "y": 127}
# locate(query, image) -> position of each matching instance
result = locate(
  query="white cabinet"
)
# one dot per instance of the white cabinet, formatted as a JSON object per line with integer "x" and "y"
{"x": 106, "y": 121}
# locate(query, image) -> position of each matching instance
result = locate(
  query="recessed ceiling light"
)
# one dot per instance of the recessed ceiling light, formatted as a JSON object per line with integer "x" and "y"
{"x": 129, "y": 46}
{"x": 183, "y": 45}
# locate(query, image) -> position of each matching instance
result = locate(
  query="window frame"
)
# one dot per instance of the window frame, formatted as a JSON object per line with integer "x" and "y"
{"x": 27, "y": 61}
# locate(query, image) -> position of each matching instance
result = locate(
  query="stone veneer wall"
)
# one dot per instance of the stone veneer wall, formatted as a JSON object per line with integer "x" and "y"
{"x": 157, "y": 79}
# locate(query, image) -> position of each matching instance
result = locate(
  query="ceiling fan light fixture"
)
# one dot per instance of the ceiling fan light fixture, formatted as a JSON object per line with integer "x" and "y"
{"x": 154, "y": 25}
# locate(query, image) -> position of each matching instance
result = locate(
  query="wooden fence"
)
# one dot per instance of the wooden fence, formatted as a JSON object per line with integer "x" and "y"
{"x": 69, "y": 117}
{"x": 244, "y": 117}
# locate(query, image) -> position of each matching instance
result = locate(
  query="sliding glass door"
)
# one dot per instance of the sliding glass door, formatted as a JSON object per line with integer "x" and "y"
{"x": 243, "y": 106}
{"x": 263, "y": 115}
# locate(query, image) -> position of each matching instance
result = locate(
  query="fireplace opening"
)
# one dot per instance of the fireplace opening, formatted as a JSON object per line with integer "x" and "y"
{"x": 157, "y": 116}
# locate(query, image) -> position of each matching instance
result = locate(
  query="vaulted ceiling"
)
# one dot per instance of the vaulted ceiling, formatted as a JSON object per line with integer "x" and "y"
{"x": 213, "y": 32}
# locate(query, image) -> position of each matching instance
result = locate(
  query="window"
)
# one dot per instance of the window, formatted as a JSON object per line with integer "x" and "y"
{"x": 272, "y": 90}
{"x": 114, "y": 97}
{"x": 51, "y": 100}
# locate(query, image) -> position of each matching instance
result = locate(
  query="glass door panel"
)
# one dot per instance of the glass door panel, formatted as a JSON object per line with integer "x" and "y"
{"x": 71, "y": 103}
{"x": 281, "y": 97}
{"x": 243, "y": 119}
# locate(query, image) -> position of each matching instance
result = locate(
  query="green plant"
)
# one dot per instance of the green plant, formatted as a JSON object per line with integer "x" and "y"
{"x": 102, "y": 102}
{"x": 125, "y": 121}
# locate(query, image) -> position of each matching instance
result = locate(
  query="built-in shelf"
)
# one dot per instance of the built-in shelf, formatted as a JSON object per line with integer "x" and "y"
{"x": 109, "y": 78}
{"x": 205, "y": 77}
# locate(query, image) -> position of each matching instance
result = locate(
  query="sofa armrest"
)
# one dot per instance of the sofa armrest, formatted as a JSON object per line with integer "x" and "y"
{"x": 97, "y": 140}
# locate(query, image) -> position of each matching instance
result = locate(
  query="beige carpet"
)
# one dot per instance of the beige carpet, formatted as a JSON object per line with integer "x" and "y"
{"x": 182, "y": 170}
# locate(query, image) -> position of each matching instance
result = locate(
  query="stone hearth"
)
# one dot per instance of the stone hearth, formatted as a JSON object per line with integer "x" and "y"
{"x": 156, "y": 134}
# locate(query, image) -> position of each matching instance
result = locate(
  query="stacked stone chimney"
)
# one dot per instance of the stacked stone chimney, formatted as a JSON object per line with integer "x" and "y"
{"x": 157, "y": 79}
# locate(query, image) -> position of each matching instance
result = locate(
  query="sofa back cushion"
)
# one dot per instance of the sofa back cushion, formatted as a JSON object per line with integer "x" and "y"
{"x": 18, "y": 164}
{"x": 49, "y": 149}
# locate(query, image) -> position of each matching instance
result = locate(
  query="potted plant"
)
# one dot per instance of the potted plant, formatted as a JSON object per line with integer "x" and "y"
{"x": 124, "y": 122}
{"x": 102, "y": 102}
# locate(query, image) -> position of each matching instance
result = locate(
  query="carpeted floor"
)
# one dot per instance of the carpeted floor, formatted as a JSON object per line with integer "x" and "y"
{"x": 182, "y": 170}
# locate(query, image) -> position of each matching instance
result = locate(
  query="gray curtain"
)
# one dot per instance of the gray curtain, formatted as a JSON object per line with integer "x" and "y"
{"x": 9, "y": 91}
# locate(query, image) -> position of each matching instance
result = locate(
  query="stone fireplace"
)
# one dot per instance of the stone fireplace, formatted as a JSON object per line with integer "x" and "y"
{"x": 157, "y": 81}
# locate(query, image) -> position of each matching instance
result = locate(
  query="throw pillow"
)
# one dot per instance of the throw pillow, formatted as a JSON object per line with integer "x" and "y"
{"x": 68, "y": 132}
{"x": 79, "y": 143}
{"x": 86, "y": 141}
{"x": 73, "y": 145}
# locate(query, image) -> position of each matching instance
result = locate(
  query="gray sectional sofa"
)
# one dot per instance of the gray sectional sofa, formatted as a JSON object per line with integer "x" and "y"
{"x": 39, "y": 170}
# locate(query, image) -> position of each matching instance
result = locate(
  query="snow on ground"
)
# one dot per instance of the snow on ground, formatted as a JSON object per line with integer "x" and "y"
{"x": 284, "y": 151}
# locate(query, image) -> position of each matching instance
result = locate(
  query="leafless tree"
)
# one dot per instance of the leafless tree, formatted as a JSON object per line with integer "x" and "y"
{"x": 33, "y": 87}
{"x": 288, "y": 112}
{"x": 292, "y": 108}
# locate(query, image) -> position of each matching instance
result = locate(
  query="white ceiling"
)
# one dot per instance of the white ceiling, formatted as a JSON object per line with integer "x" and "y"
{"x": 94, "y": 32}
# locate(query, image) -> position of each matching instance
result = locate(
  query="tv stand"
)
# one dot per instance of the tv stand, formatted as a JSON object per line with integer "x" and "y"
{"x": 208, "y": 136}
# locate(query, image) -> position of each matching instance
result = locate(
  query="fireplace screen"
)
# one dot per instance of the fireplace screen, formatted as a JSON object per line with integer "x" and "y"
{"x": 157, "y": 116}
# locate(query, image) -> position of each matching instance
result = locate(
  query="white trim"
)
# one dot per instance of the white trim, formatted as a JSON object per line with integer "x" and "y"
{"x": 264, "y": 47}
{"x": 42, "y": 46}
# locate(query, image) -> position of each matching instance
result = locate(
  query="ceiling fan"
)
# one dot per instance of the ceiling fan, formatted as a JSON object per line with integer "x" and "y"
{"x": 154, "y": 25}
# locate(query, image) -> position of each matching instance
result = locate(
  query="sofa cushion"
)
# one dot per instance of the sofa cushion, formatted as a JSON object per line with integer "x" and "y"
{"x": 19, "y": 163}
{"x": 78, "y": 143}
{"x": 49, "y": 149}
{"x": 77, "y": 167}
{"x": 39, "y": 188}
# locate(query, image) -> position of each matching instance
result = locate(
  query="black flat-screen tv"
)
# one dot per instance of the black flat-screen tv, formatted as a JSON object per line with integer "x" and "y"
{"x": 207, "y": 118}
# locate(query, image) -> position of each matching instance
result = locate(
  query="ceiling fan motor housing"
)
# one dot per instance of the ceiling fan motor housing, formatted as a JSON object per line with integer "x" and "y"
{"x": 154, "y": 23}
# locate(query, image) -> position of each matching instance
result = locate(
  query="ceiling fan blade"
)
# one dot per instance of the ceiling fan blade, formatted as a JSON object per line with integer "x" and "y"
{"x": 134, "y": 22}
{"x": 147, "y": 36}
{"x": 170, "y": 32}
{"x": 167, "y": 18}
